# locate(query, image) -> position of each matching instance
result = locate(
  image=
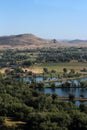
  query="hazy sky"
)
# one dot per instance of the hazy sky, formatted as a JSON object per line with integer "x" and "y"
{"x": 61, "y": 19}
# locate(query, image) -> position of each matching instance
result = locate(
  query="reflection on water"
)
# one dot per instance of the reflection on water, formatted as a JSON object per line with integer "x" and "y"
{"x": 66, "y": 91}
{"x": 78, "y": 92}
{"x": 39, "y": 79}
{"x": 47, "y": 79}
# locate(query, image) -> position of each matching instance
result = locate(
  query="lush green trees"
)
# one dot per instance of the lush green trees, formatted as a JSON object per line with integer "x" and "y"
{"x": 53, "y": 85}
{"x": 2, "y": 120}
{"x": 65, "y": 70}
{"x": 45, "y": 70}
{"x": 27, "y": 63}
{"x": 83, "y": 84}
{"x": 49, "y": 120}
{"x": 79, "y": 121}
{"x": 71, "y": 97}
{"x": 83, "y": 108}
{"x": 22, "y": 101}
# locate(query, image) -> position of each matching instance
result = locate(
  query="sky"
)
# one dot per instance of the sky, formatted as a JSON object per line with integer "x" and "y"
{"x": 60, "y": 19}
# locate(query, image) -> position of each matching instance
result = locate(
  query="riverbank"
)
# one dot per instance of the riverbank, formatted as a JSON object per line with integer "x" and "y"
{"x": 74, "y": 99}
{"x": 56, "y": 83}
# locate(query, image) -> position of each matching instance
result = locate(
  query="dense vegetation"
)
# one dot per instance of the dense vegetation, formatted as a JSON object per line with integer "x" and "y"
{"x": 29, "y": 57}
{"x": 21, "y": 101}
{"x": 40, "y": 111}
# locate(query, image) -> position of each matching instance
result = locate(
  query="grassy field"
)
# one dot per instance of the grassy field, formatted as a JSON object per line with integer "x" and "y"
{"x": 58, "y": 67}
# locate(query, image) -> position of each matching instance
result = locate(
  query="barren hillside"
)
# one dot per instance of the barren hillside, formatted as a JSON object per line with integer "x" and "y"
{"x": 24, "y": 41}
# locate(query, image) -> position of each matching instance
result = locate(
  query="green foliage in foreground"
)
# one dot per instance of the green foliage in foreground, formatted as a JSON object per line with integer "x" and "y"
{"x": 40, "y": 111}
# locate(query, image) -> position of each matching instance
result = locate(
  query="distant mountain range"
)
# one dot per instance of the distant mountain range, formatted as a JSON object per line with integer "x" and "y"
{"x": 77, "y": 41}
{"x": 31, "y": 41}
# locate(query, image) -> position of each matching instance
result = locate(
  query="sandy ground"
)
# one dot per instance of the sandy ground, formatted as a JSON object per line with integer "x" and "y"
{"x": 36, "y": 46}
{"x": 10, "y": 122}
{"x": 34, "y": 70}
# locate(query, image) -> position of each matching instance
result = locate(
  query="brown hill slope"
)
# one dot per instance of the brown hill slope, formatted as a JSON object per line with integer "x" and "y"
{"x": 27, "y": 41}
{"x": 24, "y": 41}
{"x": 21, "y": 39}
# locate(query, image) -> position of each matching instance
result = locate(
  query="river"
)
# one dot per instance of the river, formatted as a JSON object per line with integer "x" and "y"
{"x": 63, "y": 92}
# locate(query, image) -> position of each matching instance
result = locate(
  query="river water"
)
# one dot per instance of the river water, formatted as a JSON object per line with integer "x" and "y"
{"x": 63, "y": 92}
